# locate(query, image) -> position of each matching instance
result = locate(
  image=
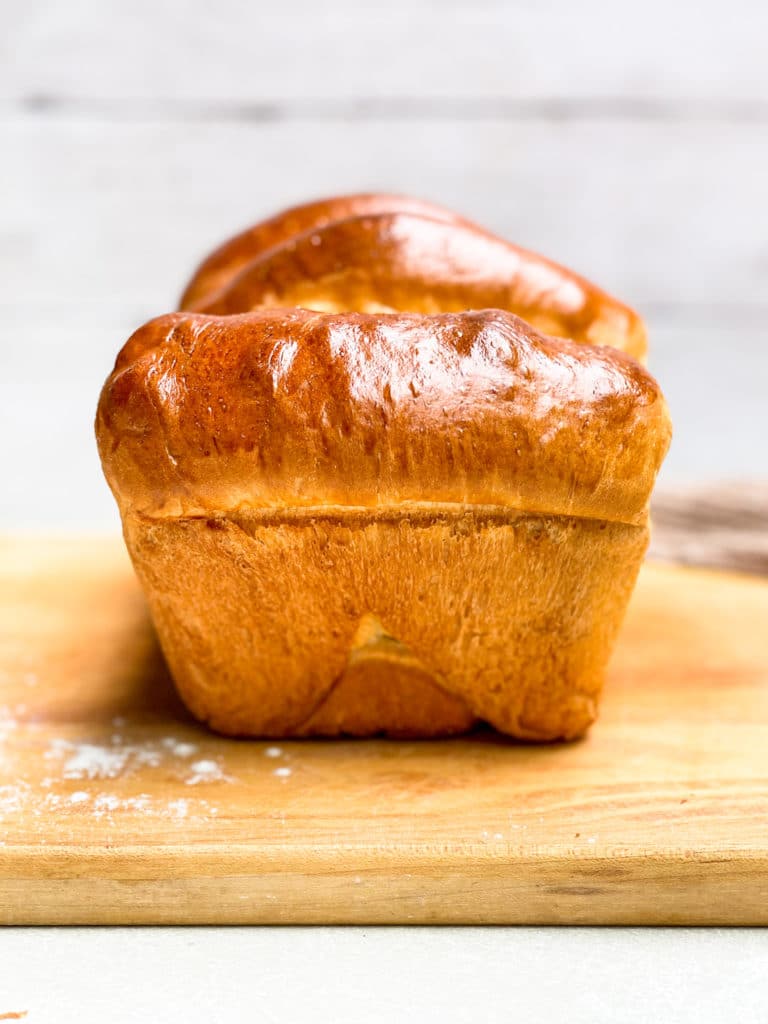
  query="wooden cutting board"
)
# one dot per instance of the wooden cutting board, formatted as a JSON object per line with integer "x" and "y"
{"x": 116, "y": 808}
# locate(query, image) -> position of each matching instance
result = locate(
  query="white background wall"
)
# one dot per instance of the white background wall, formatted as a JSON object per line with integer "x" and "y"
{"x": 630, "y": 142}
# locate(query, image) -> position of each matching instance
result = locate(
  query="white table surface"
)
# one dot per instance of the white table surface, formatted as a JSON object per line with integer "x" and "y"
{"x": 385, "y": 975}
{"x": 629, "y": 141}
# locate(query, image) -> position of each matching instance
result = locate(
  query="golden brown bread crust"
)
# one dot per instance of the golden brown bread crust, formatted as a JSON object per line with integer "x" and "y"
{"x": 407, "y": 262}
{"x": 288, "y": 408}
{"x": 373, "y": 522}
{"x": 500, "y": 617}
{"x": 221, "y": 266}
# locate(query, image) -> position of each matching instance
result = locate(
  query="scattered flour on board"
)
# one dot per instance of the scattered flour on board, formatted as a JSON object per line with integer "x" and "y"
{"x": 178, "y": 747}
{"x": 96, "y": 762}
{"x": 12, "y": 798}
{"x": 205, "y": 771}
{"x": 179, "y": 808}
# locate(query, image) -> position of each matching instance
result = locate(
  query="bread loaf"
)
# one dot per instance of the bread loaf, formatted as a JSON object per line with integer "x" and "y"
{"x": 364, "y": 493}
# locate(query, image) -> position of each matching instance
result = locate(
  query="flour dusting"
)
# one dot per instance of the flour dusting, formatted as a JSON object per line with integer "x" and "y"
{"x": 117, "y": 758}
{"x": 116, "y": 778}
{"x": 106, "y": 802}
{"x": 205, "y": 771}
{"x": 179, "y": 748}
{"x": 179, "y": 808}
{"x": 12, "y": 798}
{"x": 95, "y": 763}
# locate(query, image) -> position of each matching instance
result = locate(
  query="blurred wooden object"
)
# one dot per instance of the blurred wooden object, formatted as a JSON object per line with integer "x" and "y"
{"x": 724, "y": 526}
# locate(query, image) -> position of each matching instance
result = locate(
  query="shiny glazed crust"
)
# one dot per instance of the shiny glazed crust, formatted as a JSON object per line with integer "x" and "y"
{"x": 411, "y": 262}
{"x": 221, "y": 267}
{"x": 288, "y": 408}
{"x": 385, "y": 522}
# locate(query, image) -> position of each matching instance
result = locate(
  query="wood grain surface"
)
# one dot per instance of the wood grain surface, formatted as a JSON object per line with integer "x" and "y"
{"x": 116, "y": 808}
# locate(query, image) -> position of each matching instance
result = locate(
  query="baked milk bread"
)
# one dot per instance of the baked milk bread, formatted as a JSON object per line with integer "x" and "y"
{"x": 385, "y": 473}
